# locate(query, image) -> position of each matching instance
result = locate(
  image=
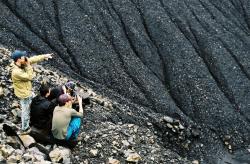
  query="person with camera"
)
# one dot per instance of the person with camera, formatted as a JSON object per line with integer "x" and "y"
{"x": 22, "y": 75}
{"x": 66, "y": 121}
{"x": 68, "y": 88}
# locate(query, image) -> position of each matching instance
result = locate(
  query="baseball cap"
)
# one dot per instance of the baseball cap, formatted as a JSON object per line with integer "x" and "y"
{"x": 17, "y": 54}
{"x": 71, "y": 85}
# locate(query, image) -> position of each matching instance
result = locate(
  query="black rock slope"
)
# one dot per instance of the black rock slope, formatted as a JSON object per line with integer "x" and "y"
{"x": 188, "y": 59}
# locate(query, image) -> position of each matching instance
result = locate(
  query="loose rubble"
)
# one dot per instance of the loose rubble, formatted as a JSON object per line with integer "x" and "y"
{"x": 102, "y": 141}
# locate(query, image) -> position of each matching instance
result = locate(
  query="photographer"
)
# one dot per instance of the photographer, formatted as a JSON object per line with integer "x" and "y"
{"x": 21, "y": 75}
{"x": 66, "y": 122}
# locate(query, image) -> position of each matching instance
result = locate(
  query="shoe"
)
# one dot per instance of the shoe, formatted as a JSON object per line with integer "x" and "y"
{"x": 24, "y": 132}
{"x": 79, "y": 138}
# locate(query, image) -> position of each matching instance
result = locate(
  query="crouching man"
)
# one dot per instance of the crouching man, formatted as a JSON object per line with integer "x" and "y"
{"x": 41, "y": 111}
{"x": 66, "y": 121}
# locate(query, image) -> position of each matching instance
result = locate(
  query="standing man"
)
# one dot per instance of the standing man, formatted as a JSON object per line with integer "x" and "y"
{"x": 22, "y": 75}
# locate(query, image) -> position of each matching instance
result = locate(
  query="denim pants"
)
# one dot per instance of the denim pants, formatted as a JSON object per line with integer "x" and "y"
{"x": 25, "y": 116}
{"x": 73, "y": 128}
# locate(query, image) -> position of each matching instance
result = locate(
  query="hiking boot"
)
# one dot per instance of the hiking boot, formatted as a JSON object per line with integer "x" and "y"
{"x": 79, "y": 138}
{"x": 24, "y": 132}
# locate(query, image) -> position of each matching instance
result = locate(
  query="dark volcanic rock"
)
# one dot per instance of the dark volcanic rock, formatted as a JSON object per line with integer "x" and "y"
{"x": 185, "y": 59}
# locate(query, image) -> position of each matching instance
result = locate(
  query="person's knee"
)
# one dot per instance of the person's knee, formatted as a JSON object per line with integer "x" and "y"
{"x": 78, "y": 121}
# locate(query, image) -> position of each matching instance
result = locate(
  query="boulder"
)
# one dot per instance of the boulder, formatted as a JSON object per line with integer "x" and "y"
{"x": 27, "y": 140}
{"x": 60, "y": 155}
{"x": 6, "y": 150}
{"x": 113, "y": 161}
{"x": 1, "y": 92}
{"x": 133, "y": 157}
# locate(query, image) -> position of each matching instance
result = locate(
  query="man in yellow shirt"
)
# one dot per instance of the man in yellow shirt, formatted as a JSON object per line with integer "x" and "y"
{"x": 22, "y": 75}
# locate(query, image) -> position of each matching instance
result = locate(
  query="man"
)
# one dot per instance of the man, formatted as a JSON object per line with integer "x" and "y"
{"x": 66, "y": 121}
{"x": 41, "y": 110}
{"x": 21, "y": 75}
{"x": 71, "y": 88}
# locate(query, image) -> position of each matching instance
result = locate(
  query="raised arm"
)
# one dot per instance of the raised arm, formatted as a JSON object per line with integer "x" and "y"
{"x": 80, "y": 113}
{"x": 79, "y": 98}
{"x": 39, "y": 58}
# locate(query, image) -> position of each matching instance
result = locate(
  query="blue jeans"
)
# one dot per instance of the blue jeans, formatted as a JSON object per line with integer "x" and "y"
{"x": 73, "y": 128}
{"x": 25, "y": 116}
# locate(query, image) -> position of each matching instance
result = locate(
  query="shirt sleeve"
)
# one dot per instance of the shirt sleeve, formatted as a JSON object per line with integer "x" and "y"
{"x": 75, "y": 113}
{"x": 35, "y": 59}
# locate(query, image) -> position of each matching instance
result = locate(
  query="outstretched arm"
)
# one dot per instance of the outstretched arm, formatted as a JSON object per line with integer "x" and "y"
{"x": 38, "y": 58}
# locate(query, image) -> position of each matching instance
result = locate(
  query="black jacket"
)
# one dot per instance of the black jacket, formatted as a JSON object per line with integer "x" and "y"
{"x": 41, "y": 112}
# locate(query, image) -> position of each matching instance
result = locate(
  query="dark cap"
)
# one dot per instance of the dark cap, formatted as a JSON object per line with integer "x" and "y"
{"x": 17, "y": 54}
{"x": 63, "y": 99}
{"x": 71, "y": 85}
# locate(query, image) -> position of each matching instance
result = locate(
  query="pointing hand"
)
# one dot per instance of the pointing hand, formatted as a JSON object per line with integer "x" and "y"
{"x": 48, "y": 56}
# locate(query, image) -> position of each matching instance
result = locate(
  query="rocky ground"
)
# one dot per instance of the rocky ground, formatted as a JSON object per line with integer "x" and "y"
{"x": 164, "y": 64}
{"x": 103, "y": 141}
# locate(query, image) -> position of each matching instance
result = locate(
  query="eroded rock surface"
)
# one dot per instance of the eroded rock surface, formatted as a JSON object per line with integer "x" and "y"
{"x": 188, "y": 60}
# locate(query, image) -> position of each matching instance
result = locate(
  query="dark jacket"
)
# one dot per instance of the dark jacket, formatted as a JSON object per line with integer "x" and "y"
{"x": 41, "y": 111}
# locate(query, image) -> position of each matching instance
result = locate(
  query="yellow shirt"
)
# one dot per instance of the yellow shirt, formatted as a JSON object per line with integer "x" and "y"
{"x": 21, "y": 78}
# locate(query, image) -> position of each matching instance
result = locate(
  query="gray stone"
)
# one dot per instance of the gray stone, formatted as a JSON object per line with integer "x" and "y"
{"x": 6, "y": 92}
{"x": 1, "y": 92}
{"x": 38, "y": 157}
{"x": 14, "y": 159}
{"x": 133, "y": 157}
{"x": 6, "y": 150}
{"x": 27, "y": 140}
{"x": 125, "y": 143}
{"x": 195, "y": 162}
{"x": 168, "y": 119}
{"x": 16, "y": 112}
{"x": 27, "y": 157}
{"x": 15, "y": 104}
{"x": 42, "y": 162}
{"x": 93, "y": 152}
{"x": 35, "y": 154}
{"x": 169, "y": 125}
{"x": 181, "y": 127}
{"x": 2, "y": 159}
{"x": 99, "y": 145}
{"x": 60, "y": 154}
{"x": 113, "y": 161}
